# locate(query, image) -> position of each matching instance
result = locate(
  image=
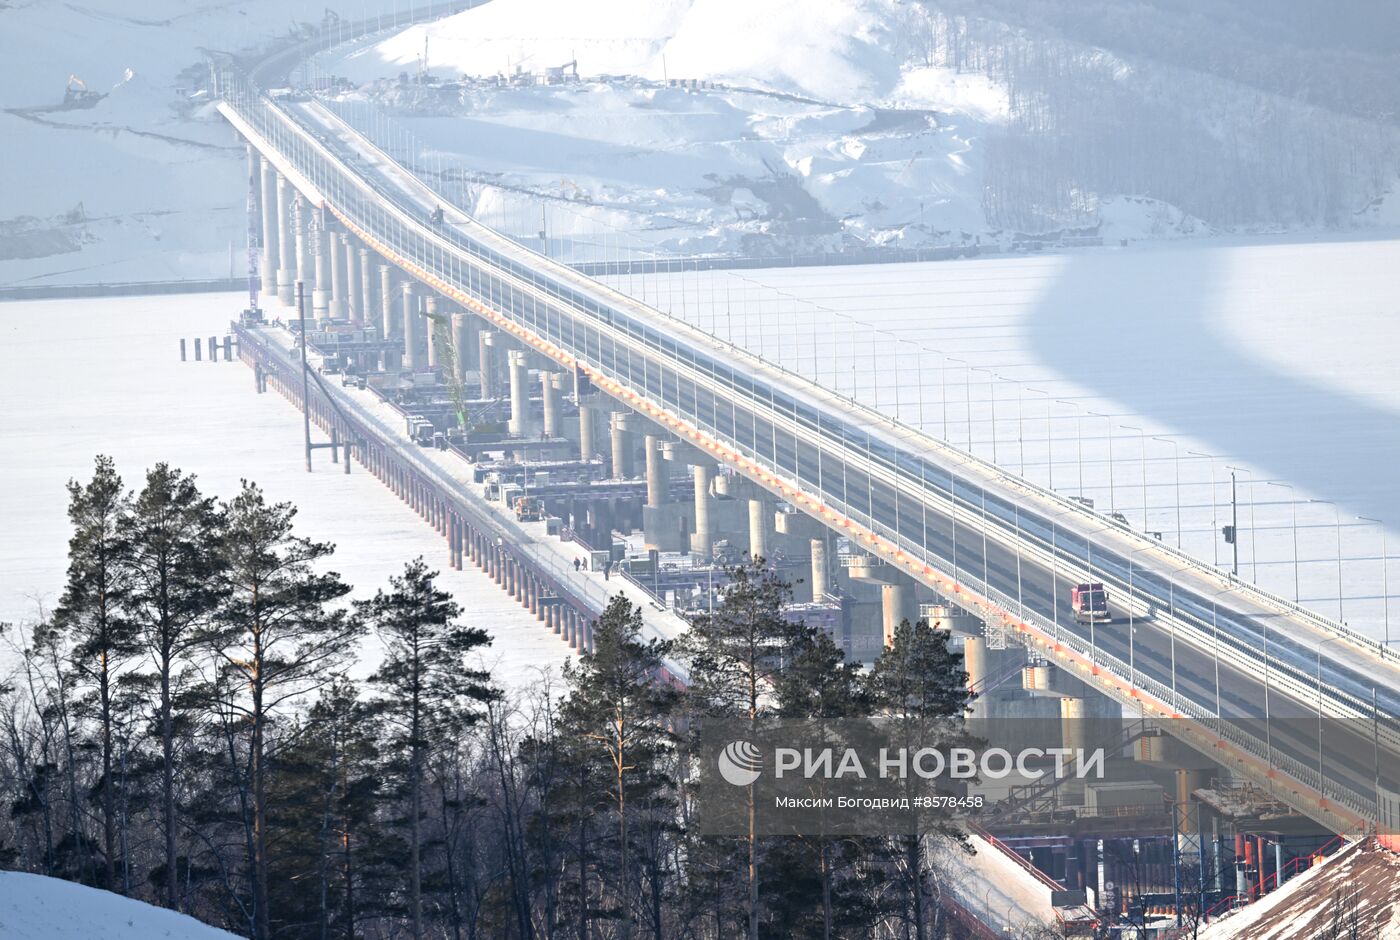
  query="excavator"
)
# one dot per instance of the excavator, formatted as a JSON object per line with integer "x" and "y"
{"x": 77, "y": 94}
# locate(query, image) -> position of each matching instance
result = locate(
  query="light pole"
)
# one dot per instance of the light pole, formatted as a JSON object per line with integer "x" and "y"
{"x": 1337, "y": 521}
{"x": 1142, "y": 462}
{"x": 1215, "y": 539}
{"x": 1234, "y": 522}
{"x": 1321, "y": 777}
{"x": 992, "y": 393}
{"x": 1176, "y": 473}
{"x": 1112, "y": 506}
{"x": 1079, "y": 437}
{"x": 1049, "y": 446}
{"x": 1293, "y": 505}
{"x": 1385, "y": 578}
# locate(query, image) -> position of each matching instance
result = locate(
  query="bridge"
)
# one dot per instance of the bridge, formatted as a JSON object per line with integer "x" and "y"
{"x": 1301, "y": 705}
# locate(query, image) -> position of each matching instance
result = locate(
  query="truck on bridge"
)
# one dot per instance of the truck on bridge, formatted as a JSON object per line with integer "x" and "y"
{"x": 1089, "y": 601}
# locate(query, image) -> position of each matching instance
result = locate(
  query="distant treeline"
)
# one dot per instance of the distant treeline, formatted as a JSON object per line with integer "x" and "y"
{"x": 181, "y": 729}
{"x": 1216, "y": 108}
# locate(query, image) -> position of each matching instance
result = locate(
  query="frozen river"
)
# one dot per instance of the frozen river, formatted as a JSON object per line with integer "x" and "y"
{"x": 1140, "y": 378}
{"x": 87, "y": 377}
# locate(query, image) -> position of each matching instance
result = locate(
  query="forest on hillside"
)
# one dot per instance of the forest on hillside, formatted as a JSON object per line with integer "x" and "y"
{"x": 1241, "y": 114}
{"x": 182, "y": 729}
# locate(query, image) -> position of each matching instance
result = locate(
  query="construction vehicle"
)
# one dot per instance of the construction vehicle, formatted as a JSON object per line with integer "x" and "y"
{"x": 1089, "y": 601}
{"x": 77, "y": 95}
{"x": 529, "y": 508}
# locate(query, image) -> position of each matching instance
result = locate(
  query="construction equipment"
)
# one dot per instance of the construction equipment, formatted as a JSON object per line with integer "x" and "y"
{"x": 529, "y": 508}
{"x": 77, "y": 95}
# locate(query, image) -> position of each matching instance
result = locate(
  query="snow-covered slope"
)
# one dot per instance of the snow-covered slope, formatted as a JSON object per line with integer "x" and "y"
{"x": 825, "y": 124}
{"x": 33, "y": 907}
{"x": 145, "y": 183}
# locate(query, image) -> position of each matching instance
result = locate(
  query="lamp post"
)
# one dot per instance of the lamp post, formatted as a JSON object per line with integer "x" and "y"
{"x": 1049, "y": 446}
{"x": 1234, "y": 522}
{"x": 1142, "y": 462}
{"x": 1176, "y": 473}
{"x": 1385, "y": 578}
{"x": 1337, "y": 522}
{"x": 1112, "y": 506}
{"x": 1293, "y": 505}
{"x": 1321, "y": 777}
{"x": 1079, "y": 437}
{"x": 1215, "y": 541}
{"x": 992, "y": 393}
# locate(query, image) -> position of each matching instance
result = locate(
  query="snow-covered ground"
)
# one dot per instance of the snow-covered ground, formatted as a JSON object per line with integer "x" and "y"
{"x": 87, "y": 377}
{"x": 33, "y": 907}
{"x": 1277, "y": 359}
{"x": 801, "y": 126}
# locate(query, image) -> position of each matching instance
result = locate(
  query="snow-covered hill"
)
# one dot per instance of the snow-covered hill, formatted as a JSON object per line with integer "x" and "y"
{"x": 33, "y": 907}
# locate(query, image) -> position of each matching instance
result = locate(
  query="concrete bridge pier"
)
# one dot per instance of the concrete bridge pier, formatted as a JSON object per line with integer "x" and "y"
{"x": 353, "y": 308}
{"x": 412, "y": 329}
{"x": 286, "y": 266}
{"x": 463, "y": 343}
{"x": 896, "y": 605}
{"x": 369, "y": 309}
{"x": 550, "y": 384}
{"x": 487, "y": 342}
{"x": 520, "y": 424}
{"x": 320, "y": 249}
{"x": 586, "y": 448}
{"x": 818, "y": 579}
{"x": 760, "y": 520}
{"x": 392, "y": 358}
{"x": 267, "y": 263}
{"x": 430, "y": 322}
{"x": 621, "y": 446}
{"x": 336, "y": 287}
{"x": 301, "y": 217}
{"x": 703, "y": 541}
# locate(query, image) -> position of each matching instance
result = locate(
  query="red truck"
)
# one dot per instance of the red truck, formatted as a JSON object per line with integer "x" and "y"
{"x": 1089, "y": 601}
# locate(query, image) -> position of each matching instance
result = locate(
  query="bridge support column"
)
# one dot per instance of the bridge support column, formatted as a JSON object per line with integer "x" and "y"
{"x": 336, "y": 287}
{"x": 549, "y": 389}
{"x": 759, "y": 520}
{"x": 519, "y": 425}
{"x": 621, "y": 447}
{"x": 893, "y": 608}
{"x": 368, "y": 308}
{"x": 1072, "y": 726}
{"x": 430, "y": 324}
{"x": 267, "y": 267}
{"x": 819, "y": 585}
{"x": 320, "y": 249}
{"x": 703, "y": 540}
{"x": 486, "y": 347}
{"x": 975, "y": 661}
{"x": 585, "y": 431}
{"x": 301, "y": 216}
{"x": 463, "y": 345}
{"x": 412, "y": 322}
{"x": 658, "y": 493}
{"x": 353, "y": 309}
{"x": 286, "y": 271}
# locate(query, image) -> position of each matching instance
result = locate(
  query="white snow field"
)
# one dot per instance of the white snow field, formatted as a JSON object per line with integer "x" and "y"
{"x": 89, "y": 377}
{"x": 1275, "y": 359}
{"x": 33, "y": 907}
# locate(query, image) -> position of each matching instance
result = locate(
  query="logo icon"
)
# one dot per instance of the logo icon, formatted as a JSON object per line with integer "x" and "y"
{"x": 740, "y": 763}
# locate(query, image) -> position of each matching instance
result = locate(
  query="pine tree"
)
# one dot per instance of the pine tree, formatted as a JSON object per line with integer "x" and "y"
{"x": 735, "y": 655}
{"x": 91, "y": 614}
{"x": 920, "y": 686}
{"x": 429, "y": 694}
{"x": 170, "y": 537}
{"x": 279, "y": 639}
{"x": 618, "y": 713}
